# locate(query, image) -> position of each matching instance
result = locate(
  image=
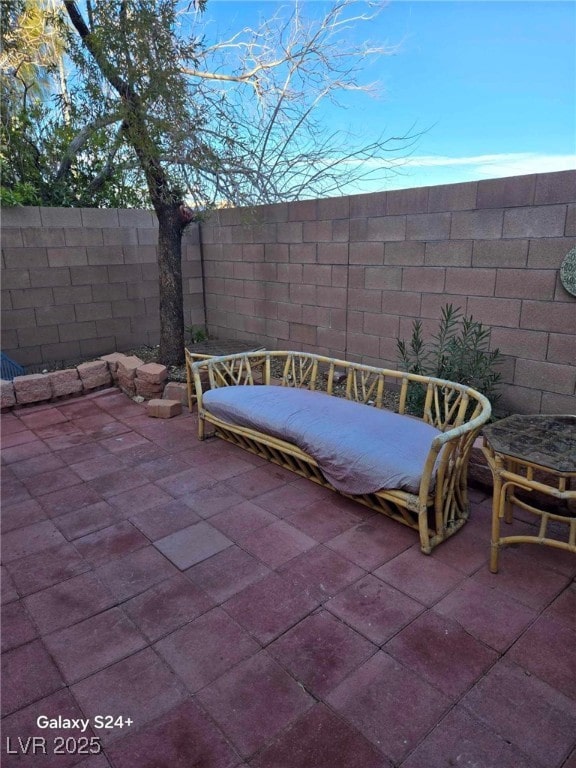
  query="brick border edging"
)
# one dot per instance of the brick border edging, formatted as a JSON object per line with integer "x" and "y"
{"x": 138, "y": 380}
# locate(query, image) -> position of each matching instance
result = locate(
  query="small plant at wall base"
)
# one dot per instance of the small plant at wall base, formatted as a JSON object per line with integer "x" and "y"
{"x": 196, "y": 334}
{"x": 460, "y": 352}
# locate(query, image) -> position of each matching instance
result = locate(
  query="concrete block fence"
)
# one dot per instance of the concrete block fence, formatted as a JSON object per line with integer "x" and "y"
{"x": 79, "y": 283}
{"x": 348, "y": 276}
{"x": 344, "y": 276}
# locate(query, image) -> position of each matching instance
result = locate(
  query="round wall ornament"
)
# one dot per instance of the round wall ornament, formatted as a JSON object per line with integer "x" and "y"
{"x": 568, "y": 272}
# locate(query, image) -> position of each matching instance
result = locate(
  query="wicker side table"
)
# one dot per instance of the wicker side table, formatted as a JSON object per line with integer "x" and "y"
{"x": 534, "y": 454}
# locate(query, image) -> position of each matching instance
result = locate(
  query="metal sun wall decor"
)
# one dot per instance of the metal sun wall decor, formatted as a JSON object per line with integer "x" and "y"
{"x": 568, "y": 272}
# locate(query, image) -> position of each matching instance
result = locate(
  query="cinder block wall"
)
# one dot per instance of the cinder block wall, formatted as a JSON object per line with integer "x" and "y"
{"x": 347, "y": 276}
{"x": 84, "y": 282}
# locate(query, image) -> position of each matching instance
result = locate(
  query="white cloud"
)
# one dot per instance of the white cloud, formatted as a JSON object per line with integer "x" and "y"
{"x": 492, "y": 166}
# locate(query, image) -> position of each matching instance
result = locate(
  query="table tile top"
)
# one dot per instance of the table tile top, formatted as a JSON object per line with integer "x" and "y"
{"x": 548, "y": 441}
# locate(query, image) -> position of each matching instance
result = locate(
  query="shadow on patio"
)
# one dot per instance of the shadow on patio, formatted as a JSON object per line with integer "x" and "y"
{"x": 238, "y": 615}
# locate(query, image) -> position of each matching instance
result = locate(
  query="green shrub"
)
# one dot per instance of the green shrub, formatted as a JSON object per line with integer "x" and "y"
{"x": 459, "y": 352}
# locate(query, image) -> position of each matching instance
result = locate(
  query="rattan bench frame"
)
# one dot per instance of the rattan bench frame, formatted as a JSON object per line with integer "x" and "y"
{"x": 436, "y": 511}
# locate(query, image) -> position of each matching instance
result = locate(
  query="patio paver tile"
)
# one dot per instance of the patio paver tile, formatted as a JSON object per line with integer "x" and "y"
{"x": 372, "y": 543}
{"x": 46, "y": 482}
{"x": 164, "y": 519}
{"x": 489, "y": 615}
{"x": 191, "y": 545}
{"x": 285, "y": 499}
{"x": 186, "y": 482}
{"x": 42, "y": 417}
{"x": 110, "y": 543}
{"x": 209, "y": 501}
{"x": 440, "y": 651}
{"x": 23, "y": 724}
{"x": 87, "y": 520}
{"x": 41, "y": 570}
{"x": 533, "y": 586}
{"x": 393, "y": 707}
{"x": 526, "y": 712}
{"x": 257, "y": 481}
{"x": 227, "y": 573}
{"x": 45, "y": 462}
{"x": 30, "y": 540}
{"x": 86, "y": 451}
{"x": 320, "y": 739}
{"x": 68, "y": 602}
{"x": 91, "y": 469}
{"x": 125, "y": 441}
{"x": 459, "y": 739}
{"x": 12, "y": 491}
{"x": 167, "y": 606}
{"x": 563, "y": 609}
{"x": 95, "y": 643}
{"x": 20, "y": 515}
{"x": 466, "y": 551}
{"x": 419, "y": 577}
{"x": 9, "y": 592}
{"x": 136, "y": 572}
{"x": 183, "y": 737}
{"x": 254, "y": 701}
{"x": 277, "y": 543}
{"x": 140, "y": 687}
{"x": 139, "y": 499}
{"x": 242, "y": 519}
{"x": 17, "y": 627}
{"x": 320, "y": 651}
{"x": 24, "y": 451}
{"x": 270, "y": 607}
{"x": 321, "y": 572}
{"x": 163, "y": 465}
{"x": 69, "y": 499}
{"x": 322, "y": 520}
{"x": 548, "y": 650}
{"x": 28, "y": 674}
{"x": 375, "y": 609}
{"x": 117, "y": 482}
{"x": 206, "y": 648}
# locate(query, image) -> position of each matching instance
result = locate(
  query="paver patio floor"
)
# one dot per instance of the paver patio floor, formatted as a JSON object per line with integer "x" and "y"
{"x": 238, "y": 615}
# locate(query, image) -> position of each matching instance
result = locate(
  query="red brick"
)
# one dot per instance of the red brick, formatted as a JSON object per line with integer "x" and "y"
{"x": 452, "y": 197}
{"x": 367, "y": 253}
{"x": 408, "y": 253}
{"x": 128, "y": 366}
{"x": 65, "y": 382}
{"x": 549, "y": 377}
{"x": 317, "y": 232}
{"x": 332, "y": 253}
{"x": 305, "y": 334}
{"x": 557, "y": 317}
{"x": 112, "y": 360}
{"x": 477, "y": 224}
{"x": 32, "y": 388}
{"x": 7, "y": 396}
{"x": 428, "y": 280}
{"x": 163, "y": 409}
{"x": 561, "y": 348}
{"x": 549, "y": 253}
{"x": 544, "y": 221}
{"x": 559, "y": 187}
{"x": 153, "y": 373}
{"x": 471, "y": 282}
{"x": 147, "y": 390}
{"x": 413, "y": 200}
{"x": 176, "y": 390}
{"x": 506, "y": 193}
{"x": 303, "y": 253}
{"x": 500, "y": 253}
{"x": 95, "y": 374}
{"x": 386, "y": 278}
{"x": 495, "y": 311}
{"x": 386, "y": 228}
{"x": 521, "y": 343}
{"x": 526, "y": 283}
{"x": 428, "y": 226}
{"x": 365, "y": 300}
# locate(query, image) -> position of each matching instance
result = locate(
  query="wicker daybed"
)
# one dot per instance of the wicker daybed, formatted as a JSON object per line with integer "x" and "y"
{"x": 397, "y": 442}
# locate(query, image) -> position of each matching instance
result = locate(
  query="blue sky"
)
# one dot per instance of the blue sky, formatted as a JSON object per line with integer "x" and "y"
{"x": 492, "y": 85}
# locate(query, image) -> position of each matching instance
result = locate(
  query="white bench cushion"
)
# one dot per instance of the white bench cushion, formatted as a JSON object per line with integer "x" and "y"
{"x": 359, "y": 448}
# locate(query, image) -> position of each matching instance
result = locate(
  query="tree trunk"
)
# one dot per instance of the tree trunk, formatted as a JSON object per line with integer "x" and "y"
{"x": 171, "y": 296}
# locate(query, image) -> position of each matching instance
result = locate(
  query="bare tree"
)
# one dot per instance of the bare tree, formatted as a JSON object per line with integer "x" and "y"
{"x": 236, "y": 121}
